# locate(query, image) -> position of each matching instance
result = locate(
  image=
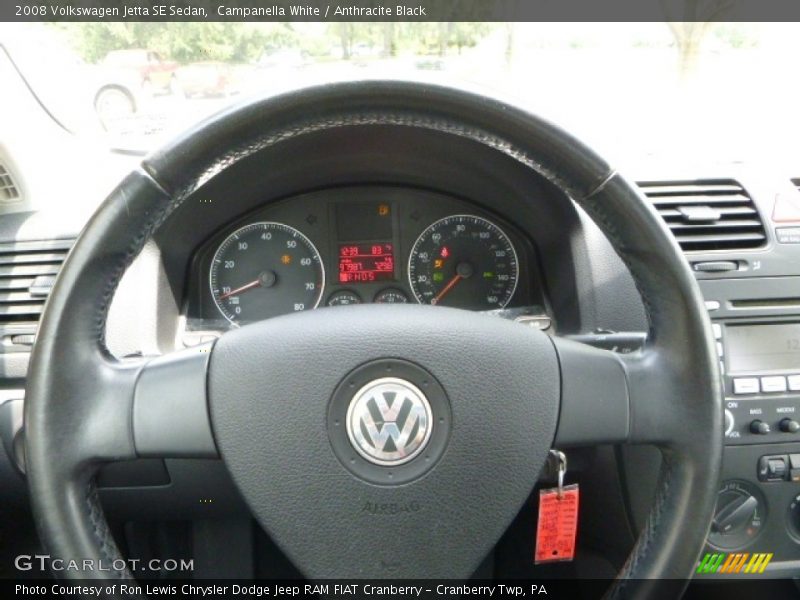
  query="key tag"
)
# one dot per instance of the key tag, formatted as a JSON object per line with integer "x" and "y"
{"x": 558, "y": 518}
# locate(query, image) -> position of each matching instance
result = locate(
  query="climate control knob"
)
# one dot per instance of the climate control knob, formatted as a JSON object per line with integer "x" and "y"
{"x": 739, "y": 516}
{"x": 789, "y": 426}
{"x": 759, "y": 427}
{"x": 794, "y": 517}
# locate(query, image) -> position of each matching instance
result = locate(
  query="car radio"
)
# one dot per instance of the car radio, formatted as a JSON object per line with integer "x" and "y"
{"x": 760, "y": 362}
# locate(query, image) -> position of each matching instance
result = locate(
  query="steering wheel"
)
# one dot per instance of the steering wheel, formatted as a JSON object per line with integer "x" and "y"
{"x": 286, "y": 405}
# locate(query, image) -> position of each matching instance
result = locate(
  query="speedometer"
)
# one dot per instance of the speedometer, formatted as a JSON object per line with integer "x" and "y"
{"x": 464, "y": 261}
{"x": 263, "y": 270}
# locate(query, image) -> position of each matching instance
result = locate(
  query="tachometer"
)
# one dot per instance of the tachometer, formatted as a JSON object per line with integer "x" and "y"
{"x": 263, "y": 270}
{"x": 464, "y": 261}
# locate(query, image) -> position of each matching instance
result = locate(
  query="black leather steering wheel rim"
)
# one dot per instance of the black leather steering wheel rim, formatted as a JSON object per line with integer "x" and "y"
{"x": 80, "y": 399}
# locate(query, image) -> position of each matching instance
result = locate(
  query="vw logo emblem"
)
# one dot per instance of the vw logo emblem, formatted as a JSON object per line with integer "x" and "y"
{"x": 389, "y": 421}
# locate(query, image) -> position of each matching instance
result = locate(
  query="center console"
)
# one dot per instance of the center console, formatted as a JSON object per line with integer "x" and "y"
{"x": 757, "y": 327}
{"x": 740, "y": 235}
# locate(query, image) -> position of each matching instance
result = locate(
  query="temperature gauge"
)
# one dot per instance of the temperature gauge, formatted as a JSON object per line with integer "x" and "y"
{"x": 343, "y": 298}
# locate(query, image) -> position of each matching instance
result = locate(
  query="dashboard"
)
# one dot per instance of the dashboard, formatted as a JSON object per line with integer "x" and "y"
{"x": 433, "y": 220}
{"x": 366, "y": 244}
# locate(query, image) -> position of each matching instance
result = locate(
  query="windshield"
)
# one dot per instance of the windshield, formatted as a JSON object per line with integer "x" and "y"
{"x": 713, "y": 91}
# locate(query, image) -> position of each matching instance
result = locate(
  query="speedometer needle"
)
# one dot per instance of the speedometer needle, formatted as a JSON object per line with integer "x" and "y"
{"x": 247, "y": 286}
{"x": 450, "y": 285}
{"x": 265, "y": 279}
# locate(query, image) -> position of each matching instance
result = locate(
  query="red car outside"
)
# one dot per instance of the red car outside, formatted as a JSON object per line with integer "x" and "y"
{"x": 150, "y": 70}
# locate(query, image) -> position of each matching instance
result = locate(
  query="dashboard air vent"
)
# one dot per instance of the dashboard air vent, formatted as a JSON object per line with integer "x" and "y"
{"x": 707, "y": 215}
{"x": 27, "y": 273}
{"x": 8, "y": 189}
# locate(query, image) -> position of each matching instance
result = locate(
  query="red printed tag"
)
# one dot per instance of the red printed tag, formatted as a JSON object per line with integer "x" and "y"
{"x": 558, "y": 524}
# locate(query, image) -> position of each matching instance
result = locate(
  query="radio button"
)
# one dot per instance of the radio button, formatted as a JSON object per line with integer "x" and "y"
{"x": 773, "y": 468}
{"x": 717, "y": 328}
{"x": 746, "y": 385}
{"x": 794, "y": 467}
{"x": 773, "y": 384}
{"x": 777, "y": 468}
{"x": 759, "y": 427}
{"x": 787, "y": 235}
{"x": 794, "y": 383}
{"x": 789, "y": 426}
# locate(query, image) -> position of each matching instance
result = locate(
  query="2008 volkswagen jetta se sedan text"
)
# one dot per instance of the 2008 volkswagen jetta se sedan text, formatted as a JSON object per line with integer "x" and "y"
{"x": 357, "y": 318}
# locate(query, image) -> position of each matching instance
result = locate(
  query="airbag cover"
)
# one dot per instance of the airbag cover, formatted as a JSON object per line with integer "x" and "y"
{"x": 270, "y": 387}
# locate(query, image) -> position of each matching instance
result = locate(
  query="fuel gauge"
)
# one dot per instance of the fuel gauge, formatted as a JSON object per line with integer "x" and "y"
{"x": 391, "y": 296}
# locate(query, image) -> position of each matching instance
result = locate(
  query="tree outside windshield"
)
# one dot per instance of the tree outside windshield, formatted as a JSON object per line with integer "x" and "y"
{"x": 635, "y": 89}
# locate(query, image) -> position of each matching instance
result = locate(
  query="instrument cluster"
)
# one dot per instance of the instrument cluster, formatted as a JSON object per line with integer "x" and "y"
{"x": 360, "y": 245}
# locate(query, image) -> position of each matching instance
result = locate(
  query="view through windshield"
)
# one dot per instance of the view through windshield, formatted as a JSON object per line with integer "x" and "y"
{"x": 722, "y": 90}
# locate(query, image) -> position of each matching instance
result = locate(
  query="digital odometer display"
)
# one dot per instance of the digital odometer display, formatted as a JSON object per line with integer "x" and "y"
{"x": 365, "y": 263}
{"x": 464, "y": 261}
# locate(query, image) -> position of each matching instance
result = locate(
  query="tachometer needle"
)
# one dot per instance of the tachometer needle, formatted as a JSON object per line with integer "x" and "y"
{"x": 450, "y": 285}
{"x": 247, "y": 286}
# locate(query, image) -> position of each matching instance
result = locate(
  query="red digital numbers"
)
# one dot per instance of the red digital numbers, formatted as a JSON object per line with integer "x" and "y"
{"x": 362, "y": 263}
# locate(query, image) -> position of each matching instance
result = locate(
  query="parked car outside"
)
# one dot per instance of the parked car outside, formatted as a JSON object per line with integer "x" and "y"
{"x": 129, "y": 78}
{"x": 208, "y": 79}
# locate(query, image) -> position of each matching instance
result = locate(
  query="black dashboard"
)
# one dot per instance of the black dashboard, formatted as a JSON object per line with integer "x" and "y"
{"x": 564, "y": 276}
{"x": 396, "y": 214}
{"x": 362, "y": 244}
{"x": 361, "y": 221}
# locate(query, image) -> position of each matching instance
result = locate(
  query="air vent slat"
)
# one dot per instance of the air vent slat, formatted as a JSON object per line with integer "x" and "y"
{"x": 724, "y": 211}
{"x": 38, "y": 257}
{"x": 707, "y": 215}
{"x": 18, "y": 298}
{"x": 719, "y": 238}
{"x": 709, "y": 200}
{"x": 19, "y": 310}
{"x": 15, "y": 284}
{"x": 8, "y": 189}
{"x": 750, "y": 224}
{"x": 687, "y": 189}
{"x": 27, "y": 271}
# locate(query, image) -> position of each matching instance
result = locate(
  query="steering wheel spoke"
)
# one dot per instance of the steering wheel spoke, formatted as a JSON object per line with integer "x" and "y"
{"x": 169, "y": 416}
{"x": 595, "y": 401}
{"x": 141, "y": 408}
{"x": 611, "y": 398}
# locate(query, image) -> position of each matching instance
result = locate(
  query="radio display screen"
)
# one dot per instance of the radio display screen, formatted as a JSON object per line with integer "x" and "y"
{"x": 763, "y": 347}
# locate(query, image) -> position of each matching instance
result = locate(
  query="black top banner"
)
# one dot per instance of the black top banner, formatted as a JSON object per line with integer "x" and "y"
{"x": 401, "y": 10}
